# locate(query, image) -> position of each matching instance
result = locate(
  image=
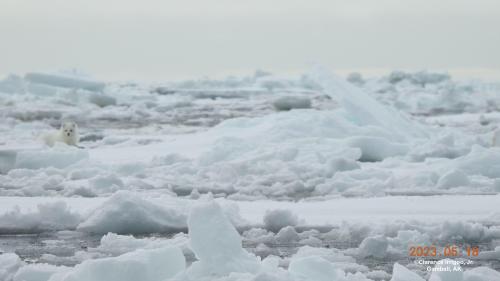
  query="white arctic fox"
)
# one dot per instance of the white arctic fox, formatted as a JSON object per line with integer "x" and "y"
{"x": 68, "y": 134}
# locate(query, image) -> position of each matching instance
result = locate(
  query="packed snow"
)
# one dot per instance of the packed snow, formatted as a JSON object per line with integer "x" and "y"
{"x": 248, "y": 178}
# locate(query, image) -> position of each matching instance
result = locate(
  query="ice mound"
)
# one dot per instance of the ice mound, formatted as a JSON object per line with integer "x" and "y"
{"x": 274, "y": 220}
{"x": 336, "y": 257}
{"x": 48, "y": 217}
{"x": 7, "y": 160}
{"x": 364, "y": 110}
{"x": 481, "y": 274}
{"x": 127, "y": 212}
{"x": 283, "y": 154}
{"x": 373, "y": 246}
{"x": 377, "y": 149}
{"x": 318, "y": 268}
{"x": 102, "y": 100}
{"x": 59, "y": 156}
{"x": 290, "y": 102}
{"x": 38, "y": 272}
{"x": 315, "y": 268}
{"x": 447, "y": 270}
{"x": 296, "y": 153}
{"x": 216, "y": 244}
{"x": 481, "y": 161}
{"x": 64, "y": 81}
{"x": 9, "y": 264}
{"x": 420, "y": 78}
{"x": 144, "y": 265}
{"x": 454, "y": 178}
{"x": 12, "y": 84}
{"x": 401, "y": 273}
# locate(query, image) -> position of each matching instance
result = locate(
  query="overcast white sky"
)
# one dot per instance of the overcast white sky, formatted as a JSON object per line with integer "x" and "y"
{"x": 164, "y": 40}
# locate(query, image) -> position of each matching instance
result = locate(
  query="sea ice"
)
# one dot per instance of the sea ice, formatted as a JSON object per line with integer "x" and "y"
{"x": 48, "y": 217}
{"x": 216, "y": 244}
{"x": 64, "y": 81}
{"x": 59, "y": 156}
{"x": 290, "y": 102}
{"x": 144, "y": 265}
{"x": 315, "y": 268}
{"x": 373, "y": 246}
{"x": 401, "y": 273}
{"x": 274, "y": 220}
{"x": 125, "y": 212}
{"x": 9, "y": 264}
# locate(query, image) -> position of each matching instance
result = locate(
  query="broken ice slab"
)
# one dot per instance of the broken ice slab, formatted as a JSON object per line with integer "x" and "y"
{"x": 59, "y": 156}
{"x": 7, "y": 160}
{"x": 64, "y": 81}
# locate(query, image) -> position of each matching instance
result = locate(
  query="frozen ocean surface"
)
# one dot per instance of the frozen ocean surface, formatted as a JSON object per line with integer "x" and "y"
{"x": 249, "y": 178}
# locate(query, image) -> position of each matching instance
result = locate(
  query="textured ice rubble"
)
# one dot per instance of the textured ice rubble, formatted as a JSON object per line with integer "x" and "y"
{"x": 430, "y": 93}
{"x": 219, "y": 256}
{"x": 290, "y": 155}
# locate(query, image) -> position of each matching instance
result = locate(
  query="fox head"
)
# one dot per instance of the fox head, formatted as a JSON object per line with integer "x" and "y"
{"x": 69, "y": 129}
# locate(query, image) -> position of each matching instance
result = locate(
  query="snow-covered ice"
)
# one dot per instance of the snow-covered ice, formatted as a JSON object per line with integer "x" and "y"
{"x": 248, "y": 178}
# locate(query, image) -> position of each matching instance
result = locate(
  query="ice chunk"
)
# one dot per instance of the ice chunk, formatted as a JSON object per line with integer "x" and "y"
{"x": 315, "y": 268}
{"x": 59, "y": 156}
{"x": 454, "y": 178}
{"x": 447, "y": 270}
{"x": 275, "y": 220}
{"x": 49, "y": 216}
{"x": 291, "y": 102}
{"x": 144, "y": 265}
{"x": 401, "y": 273}
{"x": 38, "y": 272}
{"x": 330, "y": 254}
{"x": 424, "y": 77}
{"x": 106, "y": 183}
{"x": 287, "y": 235}
{"x": 342, "y": 164}
{"x": 405, "y": 238}
{"x": 481, "y": 274}
{"x": 480, "y": 161}
{"x": 376, "y": 149}
{"x": 397, "y": 76}
{"x": 7, "y": 160}
{"x": 9, "y": 264}
{"x": 216, "y": 244}
{"x": 363, "y": 109}
{"x": 64, "y": 81}
{"x": 355, "y": 78}
{"x": 126, "y": 212}
{"x": 12, "y": 84}
{"x": 465, "y": 230}
{"x": 374, "y": 246}
{"x": 102, "y": 100}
